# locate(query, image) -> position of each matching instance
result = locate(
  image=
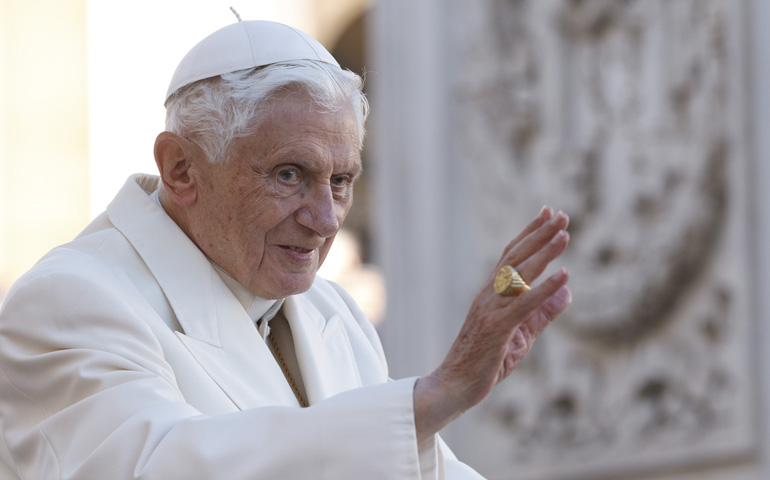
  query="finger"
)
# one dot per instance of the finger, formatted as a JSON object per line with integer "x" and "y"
{"x": 526, "y": 333}
{"x": 552, "y": 308}
{"x": 537, "y": 239}
{"x": 545, "y": 214}
{"x": 534, "y": 266}
{"x": 556, "y": 304}
{"x": 526, "y": 303}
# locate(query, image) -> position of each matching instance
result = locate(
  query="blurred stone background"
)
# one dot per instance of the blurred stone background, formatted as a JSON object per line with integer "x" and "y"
{"x": 644, "y": 120}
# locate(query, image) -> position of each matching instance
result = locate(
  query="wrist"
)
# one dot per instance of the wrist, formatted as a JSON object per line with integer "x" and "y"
{"x": 434, "y": 406}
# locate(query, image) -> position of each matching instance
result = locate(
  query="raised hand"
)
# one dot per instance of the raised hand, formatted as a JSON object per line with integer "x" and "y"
{"x": 499, "y": 330}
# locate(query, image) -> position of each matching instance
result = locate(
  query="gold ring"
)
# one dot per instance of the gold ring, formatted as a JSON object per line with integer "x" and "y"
{"x": 508, "y": 282}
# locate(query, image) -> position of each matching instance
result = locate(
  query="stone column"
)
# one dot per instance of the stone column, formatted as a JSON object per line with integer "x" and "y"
{"x": 422, "y": 220}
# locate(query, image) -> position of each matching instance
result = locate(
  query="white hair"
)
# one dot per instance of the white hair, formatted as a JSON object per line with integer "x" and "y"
{"x": 213, "y": 112}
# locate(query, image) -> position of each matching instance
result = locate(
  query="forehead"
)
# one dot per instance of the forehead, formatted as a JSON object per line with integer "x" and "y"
{"x": 294, "y": 126}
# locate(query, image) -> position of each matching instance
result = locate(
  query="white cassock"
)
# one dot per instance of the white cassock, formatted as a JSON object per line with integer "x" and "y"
{"x": 123, "y": 354}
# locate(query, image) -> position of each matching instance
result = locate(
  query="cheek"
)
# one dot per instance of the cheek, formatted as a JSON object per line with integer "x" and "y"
{"x": 258, "y": 214}
{"x": 343, "y": 208}
{"x": 324, "y": 251}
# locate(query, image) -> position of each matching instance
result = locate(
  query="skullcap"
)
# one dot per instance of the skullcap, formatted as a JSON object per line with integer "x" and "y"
{"x": 246, "y": 44}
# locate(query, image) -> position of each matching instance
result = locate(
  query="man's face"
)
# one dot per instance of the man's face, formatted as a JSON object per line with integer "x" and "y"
{"x": 269, "y": 216}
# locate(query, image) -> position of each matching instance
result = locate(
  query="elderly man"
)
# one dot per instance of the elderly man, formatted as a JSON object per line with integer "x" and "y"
{"x": 181, "y": 333}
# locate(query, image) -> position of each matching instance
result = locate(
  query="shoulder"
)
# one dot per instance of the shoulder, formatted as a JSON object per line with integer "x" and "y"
{"x": 72, "y": 274}
{"x": 75, "y": 299}
{"x": 79, "y": 279}
{"x": 89, "y": 257}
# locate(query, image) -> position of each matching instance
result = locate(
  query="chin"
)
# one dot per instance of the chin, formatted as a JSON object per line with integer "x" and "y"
{"x": 294, "y": 287}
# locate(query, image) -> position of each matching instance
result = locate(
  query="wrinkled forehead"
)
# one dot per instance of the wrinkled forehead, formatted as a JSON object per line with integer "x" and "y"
{"x": 292, "y": 105}
{"x": 292, "y": 114}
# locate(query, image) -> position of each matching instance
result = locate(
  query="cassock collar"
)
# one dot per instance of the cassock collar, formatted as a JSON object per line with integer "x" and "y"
{"x": 258, "y": 308}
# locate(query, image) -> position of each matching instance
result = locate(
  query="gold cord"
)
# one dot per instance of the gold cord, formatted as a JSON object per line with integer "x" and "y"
{"x": 286, "y": 372}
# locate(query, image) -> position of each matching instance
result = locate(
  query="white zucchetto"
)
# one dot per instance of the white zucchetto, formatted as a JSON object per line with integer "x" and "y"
{"x": 246, "y": 44}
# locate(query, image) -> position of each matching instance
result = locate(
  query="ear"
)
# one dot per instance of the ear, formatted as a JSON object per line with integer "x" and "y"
{"x": 173, "y": 155}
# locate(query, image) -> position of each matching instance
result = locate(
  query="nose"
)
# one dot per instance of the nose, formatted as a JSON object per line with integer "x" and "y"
{"x": 319, "y": 212}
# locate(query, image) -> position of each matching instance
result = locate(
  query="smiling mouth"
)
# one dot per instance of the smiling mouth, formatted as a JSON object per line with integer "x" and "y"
{"x": 298, "y": 249}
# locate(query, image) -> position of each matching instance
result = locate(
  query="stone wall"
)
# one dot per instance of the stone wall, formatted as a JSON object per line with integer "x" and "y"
{"x": 633, "y": 117}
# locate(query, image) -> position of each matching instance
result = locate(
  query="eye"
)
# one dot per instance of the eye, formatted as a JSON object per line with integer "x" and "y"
{"x": 341, "y": 181}
{"x": 289, "y": 175}
{"x": 342, "y": 185}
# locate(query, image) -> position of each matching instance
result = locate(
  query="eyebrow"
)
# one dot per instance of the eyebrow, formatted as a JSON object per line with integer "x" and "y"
{"x": 352, "y": 162}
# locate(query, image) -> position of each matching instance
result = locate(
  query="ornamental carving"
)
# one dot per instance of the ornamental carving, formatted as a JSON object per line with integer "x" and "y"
{"x": 627, "y": 115}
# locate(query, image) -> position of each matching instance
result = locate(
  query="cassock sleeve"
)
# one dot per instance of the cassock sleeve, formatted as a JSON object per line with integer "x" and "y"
{"x": 437, "y": 461}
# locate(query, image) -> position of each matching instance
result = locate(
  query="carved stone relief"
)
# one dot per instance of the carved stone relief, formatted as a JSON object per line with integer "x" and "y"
{"x": 627, "y": 115}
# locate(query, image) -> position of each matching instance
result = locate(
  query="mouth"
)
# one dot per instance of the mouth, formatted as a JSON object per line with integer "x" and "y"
{"x": 297, "y": 249}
